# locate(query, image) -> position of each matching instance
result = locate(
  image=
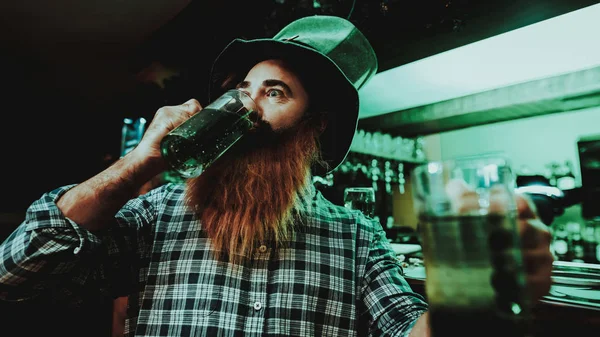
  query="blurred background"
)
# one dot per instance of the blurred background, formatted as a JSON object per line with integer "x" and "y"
{"x": 456, "y": 78}
{"x": 72, "y": 71}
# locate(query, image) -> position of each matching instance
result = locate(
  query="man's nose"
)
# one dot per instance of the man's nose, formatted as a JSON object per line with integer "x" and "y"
{"x": 250, "y": 93}
{"x": 254, "y": 94}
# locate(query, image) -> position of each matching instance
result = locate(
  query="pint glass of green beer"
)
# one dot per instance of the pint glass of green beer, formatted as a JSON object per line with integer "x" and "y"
{"x": 471, "y": 250}
{"x": 195, "y": 144}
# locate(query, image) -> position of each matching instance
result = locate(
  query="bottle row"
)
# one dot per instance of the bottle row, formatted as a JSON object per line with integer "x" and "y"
{"x": 387, "y": 147}
{"x": 576, "y": 242}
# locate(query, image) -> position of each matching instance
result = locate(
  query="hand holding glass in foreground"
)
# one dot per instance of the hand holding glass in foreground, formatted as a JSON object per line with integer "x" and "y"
{"x": 486, "y": 253}
{"x": 534, "y": 236}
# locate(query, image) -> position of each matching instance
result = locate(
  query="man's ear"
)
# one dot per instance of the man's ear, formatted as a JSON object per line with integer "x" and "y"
{"x": 322, "y": 123}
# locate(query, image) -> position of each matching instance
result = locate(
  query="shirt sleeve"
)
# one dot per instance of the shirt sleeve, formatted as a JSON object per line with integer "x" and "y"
{"x": 391, "y": 306}
{"x": 49, "y": 252}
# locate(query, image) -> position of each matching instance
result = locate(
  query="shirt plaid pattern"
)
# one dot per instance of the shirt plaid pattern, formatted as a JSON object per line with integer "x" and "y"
{"x": 338, "y": 277}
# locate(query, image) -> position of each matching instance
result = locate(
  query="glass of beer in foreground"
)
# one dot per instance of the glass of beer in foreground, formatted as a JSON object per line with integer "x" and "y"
{"x": 195, "y": 144}
{"x": 468, "y": 226}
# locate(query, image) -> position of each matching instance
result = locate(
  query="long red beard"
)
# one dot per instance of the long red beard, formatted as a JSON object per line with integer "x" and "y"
{"x": 247, "y": 197}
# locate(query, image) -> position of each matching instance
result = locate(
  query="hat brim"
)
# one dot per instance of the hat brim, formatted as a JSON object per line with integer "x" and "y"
{"x": 342, "y": 117}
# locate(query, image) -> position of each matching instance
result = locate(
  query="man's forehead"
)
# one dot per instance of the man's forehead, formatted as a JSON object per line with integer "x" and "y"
{"x": 273, "y": 66}
{"x": 268, "y": 70}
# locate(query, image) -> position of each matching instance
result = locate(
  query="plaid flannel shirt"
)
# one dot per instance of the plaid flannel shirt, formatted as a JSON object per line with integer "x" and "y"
{"x": 338, "y": 277}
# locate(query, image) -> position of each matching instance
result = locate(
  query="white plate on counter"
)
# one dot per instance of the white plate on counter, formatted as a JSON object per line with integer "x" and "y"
{"x": 404, "y": 248}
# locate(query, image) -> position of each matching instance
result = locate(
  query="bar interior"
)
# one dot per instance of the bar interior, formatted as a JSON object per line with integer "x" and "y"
{"x": 520, "y": 81}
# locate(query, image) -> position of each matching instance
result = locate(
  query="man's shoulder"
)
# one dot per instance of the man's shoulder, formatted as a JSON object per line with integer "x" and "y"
{"x": 328, "y": 212}
{"x": 325, "y": 208}
{"x": 167, "y": 193}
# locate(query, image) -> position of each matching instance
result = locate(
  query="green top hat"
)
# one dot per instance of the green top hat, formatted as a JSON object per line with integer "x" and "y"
{"x": 336, "y": 51}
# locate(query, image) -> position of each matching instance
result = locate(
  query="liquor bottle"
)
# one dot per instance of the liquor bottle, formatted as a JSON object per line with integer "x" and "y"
{"x": 566, "y": 180}
{"x": 591, "y": 241}
{"x": 560, "y": 244}
{"x": 576, "y": 241}
{"x": 552, "y": 173}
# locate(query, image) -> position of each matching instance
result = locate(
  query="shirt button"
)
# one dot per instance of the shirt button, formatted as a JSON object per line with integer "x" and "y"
{"x": 257, "y": 306}
{"x": 262, "y": 248}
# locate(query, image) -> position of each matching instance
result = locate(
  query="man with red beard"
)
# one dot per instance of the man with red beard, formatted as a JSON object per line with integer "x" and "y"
{"x": 249, "y": 247}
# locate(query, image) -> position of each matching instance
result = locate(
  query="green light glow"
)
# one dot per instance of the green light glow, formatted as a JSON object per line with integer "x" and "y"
{"x": 516, "y": 308}
{"x": 563, "y": 44}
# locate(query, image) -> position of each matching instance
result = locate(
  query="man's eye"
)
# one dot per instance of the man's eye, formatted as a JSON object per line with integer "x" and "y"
{"x": 275, "y": 93}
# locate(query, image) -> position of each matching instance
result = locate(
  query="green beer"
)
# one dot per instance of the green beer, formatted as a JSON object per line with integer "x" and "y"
{"x": 194, "y": 145}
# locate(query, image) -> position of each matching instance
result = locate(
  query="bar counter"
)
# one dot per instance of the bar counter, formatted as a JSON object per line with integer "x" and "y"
{"x": 572, "y": 308}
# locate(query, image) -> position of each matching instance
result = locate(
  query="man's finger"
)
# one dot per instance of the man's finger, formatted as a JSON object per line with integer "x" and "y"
{"x": 525, "y": 207}
{"x": 191, "y": 106}
{"x": 535, "y": 259}
{"x": 534, "y": 234}
{"x": 501, "y": 201}
{"x": 538, "y": 284}
{"x": 463, "y": 199}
